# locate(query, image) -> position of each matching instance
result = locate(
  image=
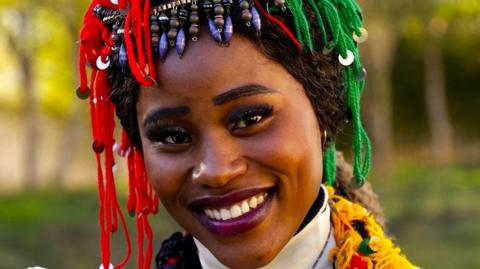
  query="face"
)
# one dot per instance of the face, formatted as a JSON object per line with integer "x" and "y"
{"x": 232, "y": 146}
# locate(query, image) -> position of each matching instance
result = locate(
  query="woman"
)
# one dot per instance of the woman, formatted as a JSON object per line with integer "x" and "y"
{"x": 236, "y": 132}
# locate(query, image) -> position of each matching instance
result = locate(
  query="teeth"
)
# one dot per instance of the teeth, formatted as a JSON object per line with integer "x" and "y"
{"x": 236, "y": 210}
{"x": 225, "y": 214}
{"x": 216, "y": 214}
{"x": 253, "y": 202}
{"x": 245, "y": 207}
{"x": 209, "y": 213}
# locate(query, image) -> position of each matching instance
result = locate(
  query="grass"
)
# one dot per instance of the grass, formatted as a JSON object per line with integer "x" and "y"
{"x": 433, "y": 214}
{"x": 59, "y": 230}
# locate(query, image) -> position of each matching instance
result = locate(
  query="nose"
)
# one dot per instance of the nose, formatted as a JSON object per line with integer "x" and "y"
{"x": 219, "y": 162}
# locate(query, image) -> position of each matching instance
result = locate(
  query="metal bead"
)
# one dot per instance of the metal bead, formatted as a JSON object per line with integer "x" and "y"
{"x": 219, "y": 22}
{"x": 246, "y": 16}
{"x": 155, "y": 40}
{"x": 280, "y": 4}
{"x": 194, "y": 30}
{"x": 155, "y": 28}
{"x": 180, "y": 44}
{"x": 244, "y": 5}
{"x": 172, "y": 35}
{"x": 174, "y": 23}
{"x": 218, "y": 10}
{"x": 194, "y": 7}
{"x": 194, "y": 19}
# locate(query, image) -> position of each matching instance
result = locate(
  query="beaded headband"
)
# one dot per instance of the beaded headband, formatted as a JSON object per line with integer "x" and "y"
{"x": 131, "y": 34}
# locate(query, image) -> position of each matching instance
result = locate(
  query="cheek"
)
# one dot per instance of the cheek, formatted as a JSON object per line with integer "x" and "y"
{"x": 292, "y": 145}
{"x": 166, "y": 173}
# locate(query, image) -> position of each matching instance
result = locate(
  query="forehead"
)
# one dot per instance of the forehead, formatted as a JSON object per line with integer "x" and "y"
{"x": 207, "y": 70}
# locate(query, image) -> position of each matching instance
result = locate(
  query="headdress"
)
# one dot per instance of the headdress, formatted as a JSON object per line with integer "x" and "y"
{"x": 135, "y": 34}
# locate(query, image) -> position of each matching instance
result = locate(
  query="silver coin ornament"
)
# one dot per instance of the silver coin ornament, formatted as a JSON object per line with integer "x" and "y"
{"x": 348, "y": 60}
{"x": 101, "y": 64}
{"x": 110, "y": 266}
{"x": 363, "y": 37}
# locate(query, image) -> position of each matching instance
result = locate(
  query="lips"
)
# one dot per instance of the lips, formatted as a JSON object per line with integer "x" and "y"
{"x": 234, "y": 212}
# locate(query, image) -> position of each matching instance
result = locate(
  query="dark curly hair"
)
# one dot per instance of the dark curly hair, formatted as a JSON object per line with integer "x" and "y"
{"x": 319, "y": 74}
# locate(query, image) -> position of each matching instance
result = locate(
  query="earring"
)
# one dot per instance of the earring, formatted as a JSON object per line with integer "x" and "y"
{"x": 324, "y": 138}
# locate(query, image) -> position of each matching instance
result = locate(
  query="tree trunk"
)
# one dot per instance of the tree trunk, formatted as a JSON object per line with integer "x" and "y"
{"x": 29, "y": 109}
{"x": 73, "y": 131}
{"x": 441, "y": 145}
{"x": 378, "y": 57}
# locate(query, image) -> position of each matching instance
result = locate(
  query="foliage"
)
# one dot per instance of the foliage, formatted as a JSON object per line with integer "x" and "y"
{"x": 59, "y": 230}
{"x": 434, "y": 214}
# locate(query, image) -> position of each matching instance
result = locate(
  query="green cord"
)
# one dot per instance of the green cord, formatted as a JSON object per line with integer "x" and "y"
{"x": 330, "y": 165}
{"x": 338, "y": 20}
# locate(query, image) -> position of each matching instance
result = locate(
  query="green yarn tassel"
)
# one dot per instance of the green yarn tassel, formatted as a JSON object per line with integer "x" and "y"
{"x": 338, "y": 20}
{"x": 302, "y": 27}
{"x": 330, "y": 164}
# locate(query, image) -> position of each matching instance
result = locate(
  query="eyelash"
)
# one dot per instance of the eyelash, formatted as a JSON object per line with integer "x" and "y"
{"x": 244, "y": 118}
{"x": 169, "y": 135}
{"x": 249, "y": 116}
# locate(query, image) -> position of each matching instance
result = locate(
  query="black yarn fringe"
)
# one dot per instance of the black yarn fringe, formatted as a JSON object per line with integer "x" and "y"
{"x": 178, "y": 252}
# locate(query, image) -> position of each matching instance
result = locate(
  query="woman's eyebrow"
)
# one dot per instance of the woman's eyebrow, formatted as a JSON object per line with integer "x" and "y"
{"x": 239, "y": 92}
{"x": 165, "y": 112}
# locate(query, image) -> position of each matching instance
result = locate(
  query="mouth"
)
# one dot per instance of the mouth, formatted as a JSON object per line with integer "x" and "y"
{"x": 235, "y": 212}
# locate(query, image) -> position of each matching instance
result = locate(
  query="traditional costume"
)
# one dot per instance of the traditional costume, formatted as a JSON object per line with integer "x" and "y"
{"x": 134, "y": 35}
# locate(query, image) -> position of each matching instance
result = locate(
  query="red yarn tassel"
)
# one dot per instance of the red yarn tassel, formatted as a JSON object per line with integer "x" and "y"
{"x": 280, "y": 24}
{"x": 148, "y": 41}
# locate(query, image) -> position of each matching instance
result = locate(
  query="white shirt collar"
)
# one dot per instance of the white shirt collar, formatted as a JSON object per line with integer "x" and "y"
{"x": 301, "y": 252}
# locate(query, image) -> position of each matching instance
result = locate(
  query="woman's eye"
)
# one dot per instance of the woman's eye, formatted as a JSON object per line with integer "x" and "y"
{"x": 249, "y": 116}
{"x": 170, "y": 135}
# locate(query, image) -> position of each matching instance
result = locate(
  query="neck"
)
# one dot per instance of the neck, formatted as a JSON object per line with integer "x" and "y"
{"x": 306, "y": 246}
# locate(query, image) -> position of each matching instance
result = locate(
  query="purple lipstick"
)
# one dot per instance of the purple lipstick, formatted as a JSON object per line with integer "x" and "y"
{"x": 234, "y": 212}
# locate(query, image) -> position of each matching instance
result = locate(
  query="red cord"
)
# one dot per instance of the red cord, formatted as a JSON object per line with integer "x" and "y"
{"x": 148, "y": 41}
{"x": 280, "y": 24}
{"x": 136, "y": 10}
{"x": 132, "y": 61}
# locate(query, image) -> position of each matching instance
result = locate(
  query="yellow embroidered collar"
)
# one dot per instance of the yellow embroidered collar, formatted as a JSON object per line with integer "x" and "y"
{"x": 361, "y": 242}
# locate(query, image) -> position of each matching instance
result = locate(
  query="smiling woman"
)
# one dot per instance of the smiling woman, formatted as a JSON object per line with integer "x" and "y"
{"x": 237, "y": 140}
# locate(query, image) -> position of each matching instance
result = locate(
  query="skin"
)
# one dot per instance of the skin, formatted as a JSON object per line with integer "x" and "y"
{"x": 282, "y": 150}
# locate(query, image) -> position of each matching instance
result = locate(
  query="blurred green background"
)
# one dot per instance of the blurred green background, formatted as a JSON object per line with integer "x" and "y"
{"x": 421, "y": 108}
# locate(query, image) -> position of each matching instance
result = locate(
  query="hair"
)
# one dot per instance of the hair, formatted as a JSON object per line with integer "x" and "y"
{"x": 319, "y": 74}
